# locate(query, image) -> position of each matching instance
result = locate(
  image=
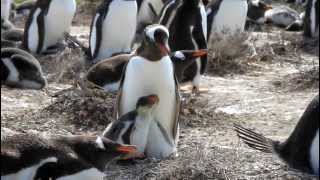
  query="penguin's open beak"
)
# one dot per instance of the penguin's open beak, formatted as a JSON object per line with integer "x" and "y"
{"x": 200, "y": 53}
{"x": 127, "y": 149}
{"x": 164, "y": 49}
{"x": 153, "y": 99}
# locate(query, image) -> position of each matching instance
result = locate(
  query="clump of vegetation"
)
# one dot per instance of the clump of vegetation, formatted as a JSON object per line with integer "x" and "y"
{"x": 228, "y": 52}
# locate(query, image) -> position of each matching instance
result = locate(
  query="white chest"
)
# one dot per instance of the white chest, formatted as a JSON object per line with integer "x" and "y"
{"x": 144, "y": 78}
{"x": 28, "y": 173}
{"x": 314, "y": 154}
{"x": 139, "y": 136}
{"x": 58, "y": 20}
{"x": 93, "y": 174}
{"x": 118, "y": 28}
{"x": 231, "y": 16}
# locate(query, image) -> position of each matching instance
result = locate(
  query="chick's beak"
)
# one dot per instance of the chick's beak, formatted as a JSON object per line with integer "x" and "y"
{"x": 153, "y": 99}
{"x": 200, "y": 53}
{"x": 127, "y": 149}
{"x": 164, "y": 49}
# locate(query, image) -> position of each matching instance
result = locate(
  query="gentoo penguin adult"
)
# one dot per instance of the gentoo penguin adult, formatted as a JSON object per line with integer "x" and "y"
{"x": 300, "y": 150}
{"x": 19, "y": 69}
{"x": 311, "y": 21}
{"x": 29, "y": 157}
{"x": 47, "y": 23}
{"x": 133, "y": 127}
{"x": 227, "y": 16}
{"x": 113, "y": 28}
{"x": 149, "y": 12}
{"x": 107, "y": 73}
{"x": 187, "y": 24}
{"x": 151, "y": 71}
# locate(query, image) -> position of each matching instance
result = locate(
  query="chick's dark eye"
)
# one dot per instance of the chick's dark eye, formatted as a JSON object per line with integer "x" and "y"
{"x": 160, "y": 36}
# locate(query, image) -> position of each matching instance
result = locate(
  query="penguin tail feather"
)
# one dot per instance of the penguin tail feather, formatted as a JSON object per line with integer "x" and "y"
{"x": 75, "y": 42}
{"x": 254, "y": 140}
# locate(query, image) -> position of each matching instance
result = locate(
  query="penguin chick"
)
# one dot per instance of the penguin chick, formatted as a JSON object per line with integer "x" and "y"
{"x": 300, "y": 150}
{"x": 133, "y": 127}
{"x": 20, "y": 69}
{"x": 11, "y": 38}
{"x": 29, "y": 157}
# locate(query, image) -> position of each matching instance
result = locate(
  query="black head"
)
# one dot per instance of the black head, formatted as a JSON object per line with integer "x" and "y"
{"x": 157, "y": 36}
{"x": 257, "y": 9}
{"x": 23, "y": 70}
{"x": 147, "y": 102}
{"x": 97, "y": 150}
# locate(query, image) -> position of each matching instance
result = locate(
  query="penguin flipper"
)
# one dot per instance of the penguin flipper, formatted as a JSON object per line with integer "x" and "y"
{"x": 119, "y": 96}
{"x": 201, "y": 41}
{"x": 41, "y": 30}
{"x": 254, "y": 140}
{"x": 178, "y": 107}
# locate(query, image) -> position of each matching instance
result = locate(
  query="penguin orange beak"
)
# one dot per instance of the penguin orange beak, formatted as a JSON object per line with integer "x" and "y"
{"x": 153, "y": 99}
{"x": 164, "y": 49}
{"x": 200, "y": 53}
{"x": 127, "y": 149}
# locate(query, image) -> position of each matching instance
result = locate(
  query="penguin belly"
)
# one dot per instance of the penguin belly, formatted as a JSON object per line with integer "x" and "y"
{"x": 313, "y": 21}
{"x": 33, "y": 33}
{"x": 87, "y": 174}
{"x": 58, "y": 21}
{"x": 118, "y": 29}
{"x": 314, "y": 154}
{"x": 139, "y": 136}
{"x": 143, "y": 78}
{"x": 28, "y": 173}
{"x": 231, "y": 16}
{"x": 5, "y": 9}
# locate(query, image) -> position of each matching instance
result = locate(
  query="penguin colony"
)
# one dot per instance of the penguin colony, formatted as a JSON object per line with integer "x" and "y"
{"x": 173, "y": 36}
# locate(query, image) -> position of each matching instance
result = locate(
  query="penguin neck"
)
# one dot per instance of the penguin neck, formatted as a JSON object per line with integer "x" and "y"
{"x": 87, "y": 149}
{"x": 150, "y": 52}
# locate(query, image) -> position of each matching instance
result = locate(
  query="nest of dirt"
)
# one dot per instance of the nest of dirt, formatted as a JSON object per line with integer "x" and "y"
{"x": 87, "y": 110}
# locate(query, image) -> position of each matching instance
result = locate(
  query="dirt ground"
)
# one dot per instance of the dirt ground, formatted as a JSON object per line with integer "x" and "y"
{"x": 267, "y": 92}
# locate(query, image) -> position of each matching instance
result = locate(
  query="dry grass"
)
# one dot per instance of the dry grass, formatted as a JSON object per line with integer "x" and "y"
{"x": 228, "y": 52}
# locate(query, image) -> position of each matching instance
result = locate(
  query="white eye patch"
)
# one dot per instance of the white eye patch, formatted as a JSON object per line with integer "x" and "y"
{"x": 180, "y": 55}
{"x": 151, "y": 30}
{"x": 99, "y": 142}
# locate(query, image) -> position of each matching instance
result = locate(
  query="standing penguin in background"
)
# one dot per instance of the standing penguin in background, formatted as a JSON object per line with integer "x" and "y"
{"x": 187, "y": 23}
{"x": 151, "y": 71}
{"x": 47, "y": 23}
{"x": 227, "y": 15}
{"x": 113, "y": 28}
{"x": 148, "y": 12}
{"x": 311, "y": 21}
{"x": 300, "y": 150}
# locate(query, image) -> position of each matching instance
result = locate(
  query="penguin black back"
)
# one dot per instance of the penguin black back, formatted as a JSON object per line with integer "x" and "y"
{"x": 311, "y": 21}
